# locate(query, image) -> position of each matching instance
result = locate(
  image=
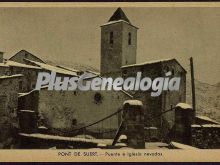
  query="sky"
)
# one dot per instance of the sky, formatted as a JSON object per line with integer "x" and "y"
{"x": 73, "y": 35}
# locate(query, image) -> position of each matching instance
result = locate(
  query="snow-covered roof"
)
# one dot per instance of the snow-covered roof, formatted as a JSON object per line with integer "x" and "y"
{"x": 113, "y": 22}
{"x": 184, "y": 106}
{"x": 148, "y": 62}
{"x": 211, "y": 125}
{"x": 133, "y": 102}
{"x": 195, "y": 125}
{"x": 206, "y": 125}
{"x": 53, "y": 68}
{"x": 17, "y": 64}
{"x": 3, "y": 64}
{"x": 207, "y": 119}
{"x": 153, "y": 62}
{"x": 117, "y": 21}
{"x": 67, "y": 68}
{"x": 12, "y": 76}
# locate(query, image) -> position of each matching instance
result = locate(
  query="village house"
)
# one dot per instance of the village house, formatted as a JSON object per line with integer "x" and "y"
{"x": 30, "y": 65}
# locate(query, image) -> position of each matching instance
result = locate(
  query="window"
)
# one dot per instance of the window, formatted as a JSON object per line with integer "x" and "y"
{"x": 166, "y": 69}
{"x": 173, "y": 72}
{"x": 97, "y": 98}
{"x": 129, "y": 38}
{"x": 74, "y": 122}
{"x": 124, "y": 72}
{"x": 111, "y": 41}
{"x": 11, "y": 70}
{"x": 33, "y": 86}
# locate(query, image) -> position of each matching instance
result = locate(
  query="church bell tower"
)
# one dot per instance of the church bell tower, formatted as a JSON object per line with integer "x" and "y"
{"x": 118, "y": 43}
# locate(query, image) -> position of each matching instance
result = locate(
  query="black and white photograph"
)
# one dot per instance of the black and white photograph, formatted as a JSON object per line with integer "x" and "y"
{"x": 110, "y": 78}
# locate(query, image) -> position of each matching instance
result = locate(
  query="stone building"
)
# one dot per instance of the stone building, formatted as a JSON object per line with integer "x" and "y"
{"x": 118, "y": 44}
{"x": 8, "y": 109}
{"x": 76, "y": 110}
{"x": 4, "y": 69}
{"x": 155, "y": 106}
{"x": 118, "y": 58}
{"x": 29, "y": 65}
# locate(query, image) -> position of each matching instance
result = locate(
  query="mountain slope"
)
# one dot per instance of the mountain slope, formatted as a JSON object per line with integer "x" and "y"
{"x": 207, "y": 99}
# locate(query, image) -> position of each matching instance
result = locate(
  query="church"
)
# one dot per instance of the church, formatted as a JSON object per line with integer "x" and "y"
{"x": 118, "y": 58}
{"x": 62, "y": 112}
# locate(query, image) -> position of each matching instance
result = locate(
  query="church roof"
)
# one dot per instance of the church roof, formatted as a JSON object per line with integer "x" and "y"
{"x": 154, "y": 62}
{"x": 119, "y": 15}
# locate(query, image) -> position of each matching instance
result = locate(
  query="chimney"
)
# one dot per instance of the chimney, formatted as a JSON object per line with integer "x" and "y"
{"x": 1, "y": 57}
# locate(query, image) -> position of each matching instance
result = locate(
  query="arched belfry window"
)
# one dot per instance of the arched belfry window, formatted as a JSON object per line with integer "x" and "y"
{"x": 129, "y": 38}
{"x": 111, "y": 37}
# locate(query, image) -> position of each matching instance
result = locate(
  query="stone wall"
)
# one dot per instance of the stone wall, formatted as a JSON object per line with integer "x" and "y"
{"x": 154, "y": 106}
{"x": 111, "y": 53}
{"x": 115, "y": 55}
{"x": 171, "y": 98}
{"x": 206, "y": 136}
{"x": 28, "y": 101}
{"x": 4, "y": 70}
{"x": 183, "y": 120}
{"x": 8, "y": 111}
{"x": 28, "y": 82}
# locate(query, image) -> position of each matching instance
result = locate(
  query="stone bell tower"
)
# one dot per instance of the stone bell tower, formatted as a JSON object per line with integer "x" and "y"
{"x": 118, "y": 43}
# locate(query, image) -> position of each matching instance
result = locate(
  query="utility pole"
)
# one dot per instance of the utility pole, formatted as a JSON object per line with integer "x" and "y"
{"x": 193, "y": 86}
